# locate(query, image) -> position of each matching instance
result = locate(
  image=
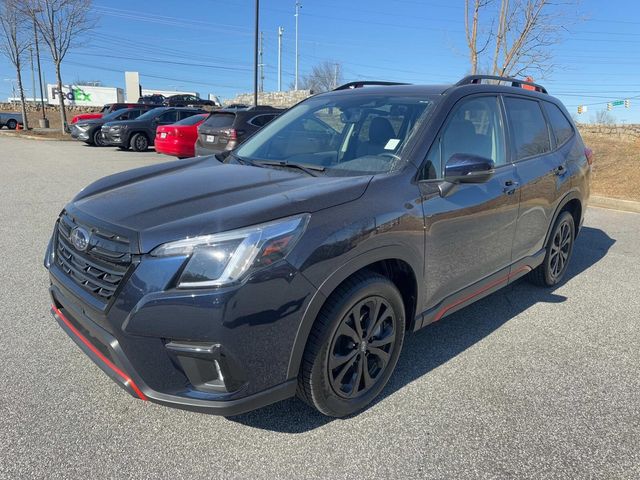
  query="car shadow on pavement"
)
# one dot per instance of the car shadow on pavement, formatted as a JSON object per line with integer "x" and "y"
{"x": 439, "y": 342}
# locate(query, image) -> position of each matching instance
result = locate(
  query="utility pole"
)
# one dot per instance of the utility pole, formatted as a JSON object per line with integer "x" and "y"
{"x": 298, "y": 6}
{"x": 261, "y": 65}
{"x": 44, "y": 123}
{"x": 280, "y": 32}
{"x": 335, "y": 75}
{"x": 255, "y": 55}
{"x": 33, "y": 76}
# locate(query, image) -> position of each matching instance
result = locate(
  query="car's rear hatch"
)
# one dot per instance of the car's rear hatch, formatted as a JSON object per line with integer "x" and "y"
{"x": 217, "y": 130}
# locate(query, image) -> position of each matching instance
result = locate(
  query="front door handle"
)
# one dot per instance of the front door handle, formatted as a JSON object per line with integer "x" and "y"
{"x": 560, "y": 170}
{"x": 510, "y": 186}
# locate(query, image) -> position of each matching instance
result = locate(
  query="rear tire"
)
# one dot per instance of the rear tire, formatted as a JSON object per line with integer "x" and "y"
{"x": 139, "y": 142}
{"x": 12, "y": 124}
{"x": 353, "y": 346}
{"x": 559, "y": 249}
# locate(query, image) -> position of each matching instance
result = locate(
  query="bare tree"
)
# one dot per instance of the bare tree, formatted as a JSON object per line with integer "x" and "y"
{"x": 471, "y": 27}
{"x": 522, "y": 33}
{"x": 13, "y": 43}
{"x": 323, "y": 77}
{"x": 60, "y": 22}
{"x": 603, "y": 117}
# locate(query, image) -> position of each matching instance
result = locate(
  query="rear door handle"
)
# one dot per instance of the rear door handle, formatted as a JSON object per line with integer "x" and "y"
{"x": 510, "y": 186}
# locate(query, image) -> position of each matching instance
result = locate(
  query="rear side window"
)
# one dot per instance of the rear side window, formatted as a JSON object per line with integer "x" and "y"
{"x": 168, "y": 117}
{"x": 560, "y": 126}
{"x": 220, "y": 120}
{"x": 528, "y": 127}
{"x": 261, "y": 120}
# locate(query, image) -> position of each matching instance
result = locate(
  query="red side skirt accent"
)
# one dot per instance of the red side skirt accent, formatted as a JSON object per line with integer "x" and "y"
{"x": 489, "y": 286}
{"x": 125, "y": 378}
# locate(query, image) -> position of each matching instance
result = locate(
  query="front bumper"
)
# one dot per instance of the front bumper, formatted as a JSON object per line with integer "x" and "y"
{"x": 114, "y": 138}
{"x": 221, "y": 351}
{"x": 78, "y": 133}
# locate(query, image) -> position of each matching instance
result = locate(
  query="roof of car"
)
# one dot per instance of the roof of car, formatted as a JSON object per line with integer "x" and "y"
{"x": 396, "y": 89}
{"x": 476, "y": 82}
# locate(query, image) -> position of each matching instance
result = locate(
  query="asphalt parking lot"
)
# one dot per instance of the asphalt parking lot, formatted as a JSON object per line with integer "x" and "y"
{"x": 526, "y": 383}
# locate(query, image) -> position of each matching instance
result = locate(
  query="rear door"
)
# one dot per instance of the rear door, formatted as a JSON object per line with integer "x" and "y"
{"x": 470, "y": 230}
{"x": 541, "y": 172}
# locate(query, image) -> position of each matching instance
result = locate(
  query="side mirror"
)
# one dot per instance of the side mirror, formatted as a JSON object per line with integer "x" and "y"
{"x": 468, "y": 168}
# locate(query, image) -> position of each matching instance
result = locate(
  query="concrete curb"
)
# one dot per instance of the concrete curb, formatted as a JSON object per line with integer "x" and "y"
{"x": 34, "y": 137}
{"x": 614, "y": 204}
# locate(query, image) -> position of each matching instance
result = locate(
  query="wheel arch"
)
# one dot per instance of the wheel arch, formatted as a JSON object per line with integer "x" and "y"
{"x": 573, "y": 203}
{"x": 391, "y": 262}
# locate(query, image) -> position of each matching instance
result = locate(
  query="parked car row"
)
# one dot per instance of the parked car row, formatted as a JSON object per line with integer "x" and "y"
{"x": 182, "y": 132}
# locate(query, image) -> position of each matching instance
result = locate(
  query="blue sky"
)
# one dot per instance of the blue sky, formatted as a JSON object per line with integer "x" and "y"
{"x": 207, "y": 46}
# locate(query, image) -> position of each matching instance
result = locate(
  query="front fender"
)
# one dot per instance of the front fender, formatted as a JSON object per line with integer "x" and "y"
{"x": 391, "y": 252}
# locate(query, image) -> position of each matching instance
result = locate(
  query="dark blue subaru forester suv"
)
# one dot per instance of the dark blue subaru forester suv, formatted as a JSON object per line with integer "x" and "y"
{"x": 296, "y": 263}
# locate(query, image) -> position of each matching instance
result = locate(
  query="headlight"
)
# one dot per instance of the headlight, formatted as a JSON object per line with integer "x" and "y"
{"x": 224, "y": 258}
{"x": 82, "y": 126}
{"x": 115, "y": 128}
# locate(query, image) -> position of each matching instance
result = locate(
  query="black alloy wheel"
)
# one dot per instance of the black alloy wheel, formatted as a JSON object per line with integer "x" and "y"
{"x": 98, "y": 141}
{"x": 353, "y": 346}
{"x": 558, "y": 253}
{"x": 139, "y": 142}
{"x": 361, "y": 347}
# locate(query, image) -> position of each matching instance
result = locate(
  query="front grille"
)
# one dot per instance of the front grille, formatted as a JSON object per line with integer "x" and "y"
{"x": 99, "y": 269}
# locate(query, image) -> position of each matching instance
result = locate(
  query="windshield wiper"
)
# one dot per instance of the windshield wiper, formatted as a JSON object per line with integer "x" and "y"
{"x": 243, "y": 161}
{"x": 308, "y": 169}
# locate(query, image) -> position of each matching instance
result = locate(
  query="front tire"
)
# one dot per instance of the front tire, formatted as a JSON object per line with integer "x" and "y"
{"x": 559, "y": 249}
{"x": 12, "y": 124}
{"x": 354, "y": 346}
{"x": 139, "y": 142}
{"x": 98, "y": 141}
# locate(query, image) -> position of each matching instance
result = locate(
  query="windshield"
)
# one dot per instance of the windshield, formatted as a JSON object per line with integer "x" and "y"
{"x": 151, "y": 113}
{"x": 360, "y": 134}
{"x": 115, "y": 114}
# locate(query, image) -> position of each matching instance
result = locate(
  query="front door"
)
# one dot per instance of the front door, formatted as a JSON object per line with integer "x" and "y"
{"x": 470, "y": 230}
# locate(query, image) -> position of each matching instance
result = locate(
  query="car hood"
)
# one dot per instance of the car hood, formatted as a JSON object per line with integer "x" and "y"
{"x": 201, "y": 196}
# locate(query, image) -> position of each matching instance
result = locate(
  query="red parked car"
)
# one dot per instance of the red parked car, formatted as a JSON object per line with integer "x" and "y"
{"x": 179, "y": 138}
{"x": 108, "y": 108}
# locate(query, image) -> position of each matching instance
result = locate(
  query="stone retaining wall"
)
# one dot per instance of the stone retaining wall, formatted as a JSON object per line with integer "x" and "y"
{"x": 628, "y": 132}
{"x": 275, "y": 99}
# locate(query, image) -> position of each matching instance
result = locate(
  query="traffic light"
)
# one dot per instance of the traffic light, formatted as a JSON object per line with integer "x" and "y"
{"x": 609, "y": 106}
{"x": 627, "y": 103}
{"x": 579, "y": 109}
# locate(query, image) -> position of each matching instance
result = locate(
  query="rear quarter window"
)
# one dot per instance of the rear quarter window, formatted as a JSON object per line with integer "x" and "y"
{"x": 560, "y": 126}
{"x": 528, "y": 127}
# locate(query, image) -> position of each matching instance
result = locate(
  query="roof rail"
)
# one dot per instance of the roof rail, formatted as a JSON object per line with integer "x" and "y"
{"x": 364, "y": 83}
{"x": 470, "y": 79}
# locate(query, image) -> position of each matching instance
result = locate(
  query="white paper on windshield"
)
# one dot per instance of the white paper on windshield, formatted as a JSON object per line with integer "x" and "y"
{"x": 392, "y": 144}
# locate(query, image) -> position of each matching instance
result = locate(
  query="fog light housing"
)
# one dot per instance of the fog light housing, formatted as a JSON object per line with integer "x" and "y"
{"x": 207, "y": 366}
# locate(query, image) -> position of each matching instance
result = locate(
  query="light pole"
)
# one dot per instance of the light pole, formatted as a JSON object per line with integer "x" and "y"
{"x": 280, "y": 32}
{"x": 255, "y": 55}
{"x": 298, "y": 6}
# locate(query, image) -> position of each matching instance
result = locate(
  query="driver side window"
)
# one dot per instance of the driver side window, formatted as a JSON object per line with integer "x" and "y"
{"x": 474, "y": 127}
